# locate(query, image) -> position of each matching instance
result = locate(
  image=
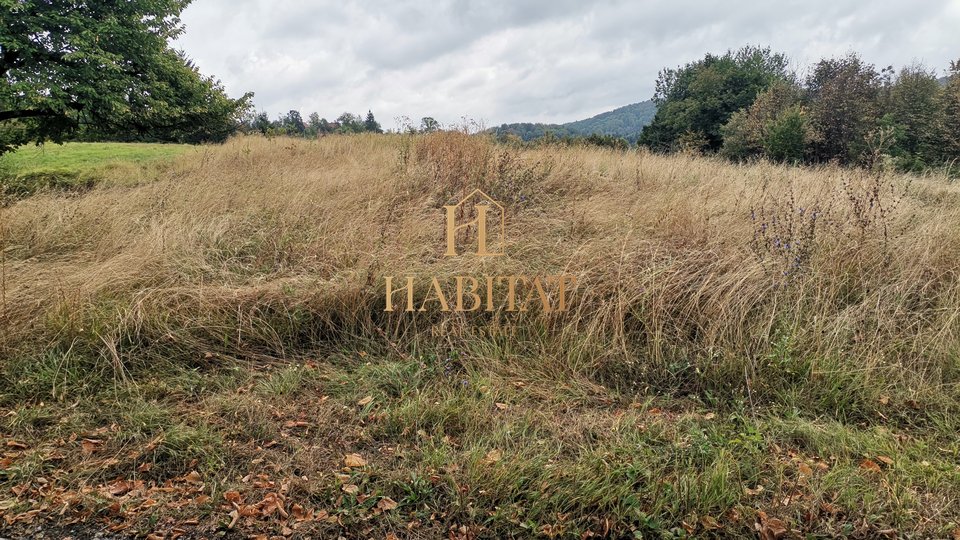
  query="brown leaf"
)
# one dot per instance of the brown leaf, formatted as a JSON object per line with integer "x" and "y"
{"x": 386, "y": 504}
{"x": 502, "y": 406}
{"x": 17, "y": 445}
{"x": 709, "y": 523}
{"x": 233, "y": 497}
{"x": 830, "y": 508}
{"x": 119, "y": 487}
{"x": 365, "y": 401}
{"x": 805, "y": 469}
{"x": 90, "y": 446}
{"x": 351, "y": 489}
{"x": 493, "y": 456}
{"x": 354, "y": 460}
{"x": 193, "y": 477}
{"x": 773, "y": 529}
{"x": 885, "y": 460}
{"x": 870, "y": 465}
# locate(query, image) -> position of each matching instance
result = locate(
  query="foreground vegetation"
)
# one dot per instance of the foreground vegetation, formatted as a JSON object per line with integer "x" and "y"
{"x": 751, "y": 350}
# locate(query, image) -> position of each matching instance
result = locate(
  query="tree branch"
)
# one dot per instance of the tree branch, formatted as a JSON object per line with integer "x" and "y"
{"x": 26, "y": 113}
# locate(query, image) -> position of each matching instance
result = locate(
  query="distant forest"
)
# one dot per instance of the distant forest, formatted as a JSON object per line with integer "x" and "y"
{"x": 625, "y": 122}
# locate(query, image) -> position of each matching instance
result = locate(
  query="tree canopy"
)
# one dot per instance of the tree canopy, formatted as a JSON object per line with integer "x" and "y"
{"x": 104, "y": 69}
{"x": 696, "y": 100}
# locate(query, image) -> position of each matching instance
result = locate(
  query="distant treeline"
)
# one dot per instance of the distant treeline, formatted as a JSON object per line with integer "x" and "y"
{"x": 747, "y": 104}
{"x": 293, "y": 124}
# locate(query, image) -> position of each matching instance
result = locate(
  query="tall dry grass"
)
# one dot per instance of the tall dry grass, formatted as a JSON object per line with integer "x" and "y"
{"x": 695, "y": 274}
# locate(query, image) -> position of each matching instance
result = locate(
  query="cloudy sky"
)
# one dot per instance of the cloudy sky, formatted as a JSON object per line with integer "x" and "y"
{"x": 525, "y": 60}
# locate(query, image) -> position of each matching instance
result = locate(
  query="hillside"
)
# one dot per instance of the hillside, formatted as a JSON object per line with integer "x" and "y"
{"x": 627, "y": 122}
{"x": 744, "y": 349}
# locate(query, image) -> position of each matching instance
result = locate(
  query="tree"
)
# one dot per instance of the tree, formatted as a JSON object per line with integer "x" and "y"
{"x": 843, "y": 94}
{"x": 788, "y": 135}
{"x": 260, "y": 122}
{"x": 776, "y": 125}
{"x": 949, "y": 118}
{"x": 371, "y": 124}
{"x": 293, "y": 123}
{"x": 350, "y": 123}
{"x": 912, "y": 103}
{"x": 106, "y": 67}
{"x": 696, "y": 100}
{"x": 428, "y": 125}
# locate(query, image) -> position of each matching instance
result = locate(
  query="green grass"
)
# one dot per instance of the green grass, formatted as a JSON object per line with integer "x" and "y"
{"x": 78, "y": 165}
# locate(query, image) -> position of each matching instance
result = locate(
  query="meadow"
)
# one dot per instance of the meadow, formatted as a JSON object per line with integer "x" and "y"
{"x": 200, "y": 347}
{"x": 77, "y": 165}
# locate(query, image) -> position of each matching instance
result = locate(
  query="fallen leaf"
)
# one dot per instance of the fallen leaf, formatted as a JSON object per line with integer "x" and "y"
{"x": 352, "y": 489}
{"x": 884, "y": 400}
{"x": 365, "y": 401}
{"x": 502, "y": 406}
{"x": 193, "y": 477}
{"x": 773, "y": 529}
{"x": 233, "y": 497}
{"x": 829, "y": 508}
{"x": 90, "y": 446}
{"x": 386, "y": 504}
{"x": 885, "y": 460}
{"x": 354, "y": 460}
{"x": 709, "y": 523}
{"x": 709, "y": 416}
{"x": 119, "y": 487}
{"x": 870, "y": 465}
{"x": 17, "y": 445}
{"x": 493, "y": 456}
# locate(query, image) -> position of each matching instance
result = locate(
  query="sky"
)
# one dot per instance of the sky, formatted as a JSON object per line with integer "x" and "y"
{"x": 508, "y": 61}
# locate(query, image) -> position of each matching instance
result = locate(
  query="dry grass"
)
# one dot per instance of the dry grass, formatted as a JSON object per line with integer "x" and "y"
{"x": 793, "y": 302}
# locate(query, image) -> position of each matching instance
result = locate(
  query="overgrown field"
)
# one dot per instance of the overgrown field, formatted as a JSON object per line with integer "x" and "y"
{"x": 751, "y": 350}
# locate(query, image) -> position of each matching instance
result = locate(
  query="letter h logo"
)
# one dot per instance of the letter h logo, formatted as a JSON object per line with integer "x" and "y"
{"x": 486, "y": 209}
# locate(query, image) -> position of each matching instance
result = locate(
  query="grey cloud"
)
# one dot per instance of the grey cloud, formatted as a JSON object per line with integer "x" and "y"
{"x": 539, "y": 60}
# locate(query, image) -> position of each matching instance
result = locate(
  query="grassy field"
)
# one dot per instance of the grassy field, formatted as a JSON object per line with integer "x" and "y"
{"x": 751, "y": 350}
{"x": 80, "y": 165}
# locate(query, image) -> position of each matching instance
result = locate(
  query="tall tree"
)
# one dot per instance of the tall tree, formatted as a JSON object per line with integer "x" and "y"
{"x": 105, "y": 66}
{"x": 694, "y": 101}
{"x": 843, "y": 95}
{"x": 949, "y": 119}
{"x": 293, "y": 123}
{"x": 912, "y": 106}
{"x": 370, "y": 124}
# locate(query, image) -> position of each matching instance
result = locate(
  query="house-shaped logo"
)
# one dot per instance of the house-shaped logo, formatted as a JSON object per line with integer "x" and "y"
{"x": 476, "y": 216}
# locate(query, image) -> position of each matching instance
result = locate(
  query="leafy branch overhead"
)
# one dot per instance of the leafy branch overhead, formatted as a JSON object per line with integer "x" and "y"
{"x": 104, "y": 69}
